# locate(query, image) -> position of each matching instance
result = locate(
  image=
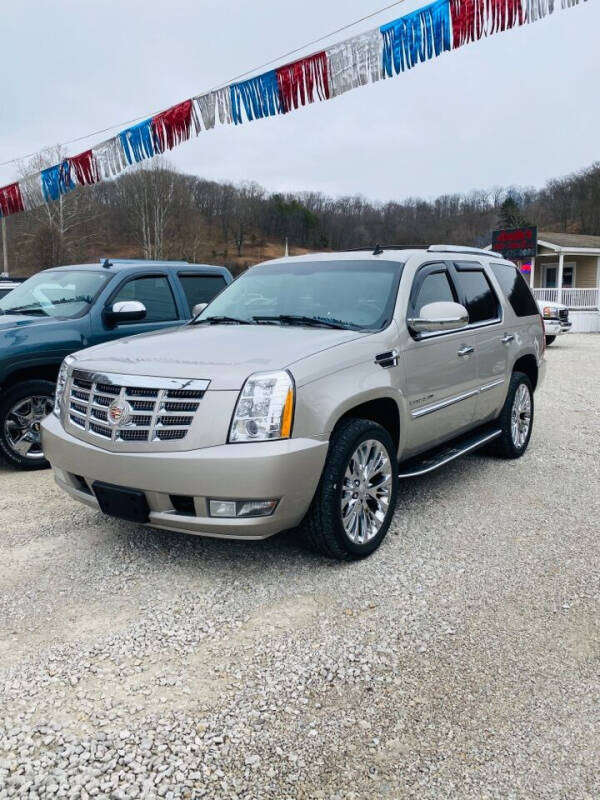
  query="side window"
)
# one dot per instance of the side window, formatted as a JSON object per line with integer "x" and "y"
{"x": 435, "y": 288}
{"x": 516, "y": 290}
{"x": 201, "y": 288}
{"x": 155, "y": 293}
{"x": 477, "y": 294}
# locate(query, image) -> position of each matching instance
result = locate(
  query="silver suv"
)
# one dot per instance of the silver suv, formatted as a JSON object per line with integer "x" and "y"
{"x": 302, "y": 394}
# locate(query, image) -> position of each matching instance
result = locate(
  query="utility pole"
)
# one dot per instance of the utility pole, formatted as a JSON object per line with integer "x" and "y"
{"x": 4, "y": 250}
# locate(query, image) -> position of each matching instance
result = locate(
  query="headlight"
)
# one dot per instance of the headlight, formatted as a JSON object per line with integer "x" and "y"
{"x": 548, "y": 312}
{"x": 61, "y": 383}
{"x": 265, "y": 408}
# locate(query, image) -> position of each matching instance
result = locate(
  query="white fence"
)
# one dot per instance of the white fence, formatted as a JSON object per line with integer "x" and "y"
{"x": 581, "y": 299}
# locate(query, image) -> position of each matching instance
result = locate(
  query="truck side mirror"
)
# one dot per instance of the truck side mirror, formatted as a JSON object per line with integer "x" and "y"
{"x": 198, "y": 309}
{"x": 124, "y": 311}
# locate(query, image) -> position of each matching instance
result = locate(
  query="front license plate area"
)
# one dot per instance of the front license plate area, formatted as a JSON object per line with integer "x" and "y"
{"x": 117, "y": 501}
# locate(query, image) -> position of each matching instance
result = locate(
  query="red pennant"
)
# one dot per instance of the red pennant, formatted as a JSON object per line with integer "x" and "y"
{"x": 473, "y": 19}
{"x": 11, "y": 201}
{"x": 173, "y": 126}
{"x": 85, "y": 168}
{"x": 299, "y": 81}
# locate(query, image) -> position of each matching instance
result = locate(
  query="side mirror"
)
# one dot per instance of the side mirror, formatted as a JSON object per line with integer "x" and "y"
{"x": 439, "y": 317}
{"x": 124, "y": 311}
{"x": 198, "y": 309}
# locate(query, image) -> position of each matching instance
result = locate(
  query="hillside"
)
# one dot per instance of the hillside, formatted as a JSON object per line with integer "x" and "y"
{"x": 157, "y": 212}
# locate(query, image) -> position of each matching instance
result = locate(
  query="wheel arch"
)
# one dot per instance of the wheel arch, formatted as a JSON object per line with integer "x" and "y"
{"x": 529, "y": 366}
{"x": 381, "y": 409}
{"x": 41, "y": 372}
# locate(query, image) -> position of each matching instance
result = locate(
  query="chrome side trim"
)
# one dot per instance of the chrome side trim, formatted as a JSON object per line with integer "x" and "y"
{"x": 492, "y": 385}
{"x": 422, "y": 412}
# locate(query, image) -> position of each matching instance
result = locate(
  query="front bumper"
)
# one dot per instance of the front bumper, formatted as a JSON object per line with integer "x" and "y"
{"x": 286, "y": 470}
{"x": 554, "y": 327}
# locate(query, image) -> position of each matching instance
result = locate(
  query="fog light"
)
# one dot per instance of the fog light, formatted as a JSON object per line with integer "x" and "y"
{"x": 241, "y": 508}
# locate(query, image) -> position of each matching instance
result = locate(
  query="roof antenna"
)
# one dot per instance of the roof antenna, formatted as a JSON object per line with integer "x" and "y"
{"x": 106, "y": 264}
{"x": 378, "y": 250}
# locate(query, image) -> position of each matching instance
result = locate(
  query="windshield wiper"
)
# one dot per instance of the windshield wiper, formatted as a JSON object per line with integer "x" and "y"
{"x": 31, "y": 309}
{"x": 312, "y": 322}
{"x": 224, "y": 320}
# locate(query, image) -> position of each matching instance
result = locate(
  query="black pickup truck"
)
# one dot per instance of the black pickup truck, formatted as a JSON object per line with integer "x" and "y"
{"x": 62, "y": 310}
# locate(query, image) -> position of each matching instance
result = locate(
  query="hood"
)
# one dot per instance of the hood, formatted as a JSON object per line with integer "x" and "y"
{"x": 548, "y": 304}
{"x": 224, "y": 354}
{"x": 18, "y": 321}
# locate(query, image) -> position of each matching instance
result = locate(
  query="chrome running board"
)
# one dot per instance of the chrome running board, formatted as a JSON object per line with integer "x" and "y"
{"x": 434, "y": 459}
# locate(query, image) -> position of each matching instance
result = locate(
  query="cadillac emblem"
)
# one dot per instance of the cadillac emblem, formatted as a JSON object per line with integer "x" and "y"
{"x": 119, "y": 413}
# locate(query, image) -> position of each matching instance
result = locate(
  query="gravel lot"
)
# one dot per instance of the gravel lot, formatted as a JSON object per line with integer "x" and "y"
{"x": 460, "y": 661}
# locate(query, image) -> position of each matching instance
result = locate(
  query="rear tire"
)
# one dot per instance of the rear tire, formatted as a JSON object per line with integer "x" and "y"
{"x": 516, "y": 418}
{"x": 549, "y": 340}
{"x": 354, "y": 503}
{"x": 22, "y": 409}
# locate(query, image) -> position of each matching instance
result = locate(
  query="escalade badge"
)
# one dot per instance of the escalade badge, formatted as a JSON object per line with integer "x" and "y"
{"x": 119, "y": 413}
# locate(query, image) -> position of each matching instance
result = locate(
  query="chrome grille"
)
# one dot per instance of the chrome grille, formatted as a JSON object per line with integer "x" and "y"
{"x": 156, "y": 409}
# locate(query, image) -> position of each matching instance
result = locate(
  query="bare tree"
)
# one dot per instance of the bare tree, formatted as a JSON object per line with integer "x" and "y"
{"x": 147, "y": 195}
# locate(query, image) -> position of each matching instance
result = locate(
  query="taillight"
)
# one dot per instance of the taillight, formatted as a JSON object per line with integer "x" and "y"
{"x": 543, "y": 334}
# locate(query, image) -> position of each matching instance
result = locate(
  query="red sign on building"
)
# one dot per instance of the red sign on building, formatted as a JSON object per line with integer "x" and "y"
{"x": 516, "y": 244}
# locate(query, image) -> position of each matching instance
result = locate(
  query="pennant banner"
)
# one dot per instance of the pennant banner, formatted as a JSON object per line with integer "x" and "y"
{"x": 393, "y": 48}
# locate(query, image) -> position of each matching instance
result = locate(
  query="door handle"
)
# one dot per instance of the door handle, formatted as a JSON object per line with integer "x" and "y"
{"x": 508, "y": 338}
{"x": 465, "y": 351}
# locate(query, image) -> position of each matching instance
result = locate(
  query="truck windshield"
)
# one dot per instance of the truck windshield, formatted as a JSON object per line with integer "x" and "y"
{"x": 337, "y": 294}
{"x": 65, "y": 294}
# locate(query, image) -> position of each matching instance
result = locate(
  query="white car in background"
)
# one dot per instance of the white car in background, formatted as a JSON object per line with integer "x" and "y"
{"x": 7, "y": 285}
{"x": 556, "y": 319}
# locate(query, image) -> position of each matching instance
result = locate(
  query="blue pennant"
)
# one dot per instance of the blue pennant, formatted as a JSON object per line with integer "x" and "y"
{"x": 57, "y": 180}
{"x": 138, "y": 141}
{"x": 259, "y": 97}
{"x": 416, "y": 37}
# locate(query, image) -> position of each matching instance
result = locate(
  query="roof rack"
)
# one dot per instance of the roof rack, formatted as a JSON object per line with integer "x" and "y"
{"x": 431, "y": 248}
{"x": 452, "y": 248}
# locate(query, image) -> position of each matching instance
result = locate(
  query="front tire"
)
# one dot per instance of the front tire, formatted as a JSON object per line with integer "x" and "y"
{"x": 353, "y": 506}
{"x": 549, "y": 340}
{"x": 22, "y": 409}
{"x": 516, "y": 418}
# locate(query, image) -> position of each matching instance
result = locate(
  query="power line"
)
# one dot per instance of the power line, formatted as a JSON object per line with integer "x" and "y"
{"x": 220, "y": 85}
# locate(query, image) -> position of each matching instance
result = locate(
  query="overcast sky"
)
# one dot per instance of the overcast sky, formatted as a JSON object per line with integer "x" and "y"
{"x": 518, "y": 108}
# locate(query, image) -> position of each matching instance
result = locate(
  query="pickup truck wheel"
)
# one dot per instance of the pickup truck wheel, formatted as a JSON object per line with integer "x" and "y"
{"x": 516, "y": 419}
{"x": 549, "y": 340}
{"x": 354, "y": 503}
{"x": 22, "y": 409}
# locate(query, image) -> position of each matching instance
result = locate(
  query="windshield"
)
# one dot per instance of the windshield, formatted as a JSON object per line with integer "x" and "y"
{"x": 349, "y": 294}
{"x": 55, "y": 294}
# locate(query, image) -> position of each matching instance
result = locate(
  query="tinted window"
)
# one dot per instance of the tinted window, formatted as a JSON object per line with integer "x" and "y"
{"x": 516, "y": 290}
{"x": 477, "y": 295}
{"x": 434, "y": 289}
{"x": 201, "y": 288}
{"x": 155, "y": 293}
{"x": 4, "y": 292}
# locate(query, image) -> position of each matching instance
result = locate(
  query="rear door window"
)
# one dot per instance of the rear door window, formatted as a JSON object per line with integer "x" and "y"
{"x": 516, "y": 290}
{"x": 476, "y": 293}
{"x": 201, "y": 288}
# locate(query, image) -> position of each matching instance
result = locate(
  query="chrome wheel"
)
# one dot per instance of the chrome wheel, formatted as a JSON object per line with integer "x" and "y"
{"x": 520, "y": 419}
{"x": 22, "y": 426}
{"x": 366, "y": 491}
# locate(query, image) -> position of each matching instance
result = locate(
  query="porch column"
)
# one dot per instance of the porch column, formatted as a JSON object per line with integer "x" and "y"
{"x": 559, "y": 280}
{"x": 598, "y": 283}
{"x": 532, "y": 274}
